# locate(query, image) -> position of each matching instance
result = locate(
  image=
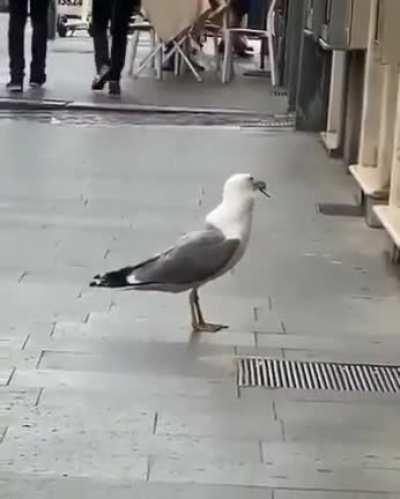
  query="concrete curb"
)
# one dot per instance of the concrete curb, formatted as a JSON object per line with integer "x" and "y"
{"x": 7, "y": 103}
{"x": 31, "y": 104}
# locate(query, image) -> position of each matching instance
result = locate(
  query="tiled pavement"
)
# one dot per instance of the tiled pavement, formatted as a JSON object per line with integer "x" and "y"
{"x": 106, "y": 394}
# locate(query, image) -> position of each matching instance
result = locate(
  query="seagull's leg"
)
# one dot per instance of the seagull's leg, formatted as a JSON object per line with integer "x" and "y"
{"x": 202, "y": 325}
{"x": 193, "y": 311}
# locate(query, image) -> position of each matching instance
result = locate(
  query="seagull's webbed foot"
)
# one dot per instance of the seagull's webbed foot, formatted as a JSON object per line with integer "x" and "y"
{"x": 206, "y": 327}
{"x": 199, "y": 325}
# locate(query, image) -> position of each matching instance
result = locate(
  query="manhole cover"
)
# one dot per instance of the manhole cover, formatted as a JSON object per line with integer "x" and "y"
{"x": 340, "y": 210}
{"x": 278, "y": 374}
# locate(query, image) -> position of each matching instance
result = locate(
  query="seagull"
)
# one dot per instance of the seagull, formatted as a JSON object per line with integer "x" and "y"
{"x": 199, "y": 256}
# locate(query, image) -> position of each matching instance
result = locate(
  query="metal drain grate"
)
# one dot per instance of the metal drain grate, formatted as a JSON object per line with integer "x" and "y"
{"x": 274, "y": 373}
{"x": 340, "y": 210}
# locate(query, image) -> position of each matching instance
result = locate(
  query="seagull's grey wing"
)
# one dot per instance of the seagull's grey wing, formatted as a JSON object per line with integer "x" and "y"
{"x": 196, "y": 257}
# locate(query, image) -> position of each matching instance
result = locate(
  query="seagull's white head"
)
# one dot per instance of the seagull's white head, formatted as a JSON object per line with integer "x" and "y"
{"x": 233, "y": 216}
{"x": 243, "y": 187}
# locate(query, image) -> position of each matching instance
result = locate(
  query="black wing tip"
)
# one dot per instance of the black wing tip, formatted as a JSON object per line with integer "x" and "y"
{"x": 114, "y": 279}
{"x": 96, "y": 281}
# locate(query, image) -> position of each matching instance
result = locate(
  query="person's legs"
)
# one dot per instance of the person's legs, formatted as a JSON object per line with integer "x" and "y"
{"x": 136, "y": 6}
{"x": 121, "y": 14}
{"x": 101, "y": 15}
{"x": 39, "y": 12}
{"x": 239, "y": 8}
{"x": 170, "y": 64}
{"x": 16, "y": 28}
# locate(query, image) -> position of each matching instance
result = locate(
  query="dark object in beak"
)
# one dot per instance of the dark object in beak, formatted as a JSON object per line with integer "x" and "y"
{"x": 262, "y": 187}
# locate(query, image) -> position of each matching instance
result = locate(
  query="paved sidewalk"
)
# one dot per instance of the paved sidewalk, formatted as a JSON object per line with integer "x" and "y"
{"x": 106, "y": 394}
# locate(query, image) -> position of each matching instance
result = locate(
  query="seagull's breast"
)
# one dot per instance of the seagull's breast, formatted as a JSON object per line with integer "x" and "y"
{"x": 235, "y": 223}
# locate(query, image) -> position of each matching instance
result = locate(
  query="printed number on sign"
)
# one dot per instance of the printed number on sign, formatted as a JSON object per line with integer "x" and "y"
{"x": 71, "y": 3}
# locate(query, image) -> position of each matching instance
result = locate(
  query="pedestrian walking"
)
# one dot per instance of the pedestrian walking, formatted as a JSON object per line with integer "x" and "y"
{"x": 16, "y": 32}
{"x": 117, "y": 13}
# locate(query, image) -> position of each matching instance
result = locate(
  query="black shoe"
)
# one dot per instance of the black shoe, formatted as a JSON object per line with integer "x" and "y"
{"x": 114, "y": 88}
{"x": 169, "y": 65}
{"x": 37, "y": 82}
{"x": 102, "y": 78}
{"x": 15, "y": 86}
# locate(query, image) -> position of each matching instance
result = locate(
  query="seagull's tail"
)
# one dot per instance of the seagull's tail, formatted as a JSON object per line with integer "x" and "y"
{"x": 114, "y": 279}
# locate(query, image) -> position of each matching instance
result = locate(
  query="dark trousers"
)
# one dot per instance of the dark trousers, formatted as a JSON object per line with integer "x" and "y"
{"x": 118, "y": 13}
{"x": 16, "y": 29}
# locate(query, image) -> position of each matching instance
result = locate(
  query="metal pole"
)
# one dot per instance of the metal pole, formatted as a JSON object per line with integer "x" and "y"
{"x": 52, "y": 20}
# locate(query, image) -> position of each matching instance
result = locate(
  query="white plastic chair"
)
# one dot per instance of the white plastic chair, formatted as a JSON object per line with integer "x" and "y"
{"x": 268, "y": 33}
{"x": 139, "y": 26}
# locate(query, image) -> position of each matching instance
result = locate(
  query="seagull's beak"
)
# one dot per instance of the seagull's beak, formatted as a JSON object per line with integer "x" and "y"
{"x": 262, "y": 187}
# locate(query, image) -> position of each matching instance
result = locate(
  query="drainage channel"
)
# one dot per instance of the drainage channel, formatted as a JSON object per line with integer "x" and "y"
{"x": 303, "y": 375}
{"x": 113, "y": 118}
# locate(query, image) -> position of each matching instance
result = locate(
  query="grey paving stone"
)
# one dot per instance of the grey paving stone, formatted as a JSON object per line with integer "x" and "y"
{"x": 146, "y": 330}
{"x": 37, "y": 419}
{"x": 330, "y": 455}
{"x": 298, "y": 477}
{"x": 176, "y": 328}
{"x": 344, "y": 316}
{"x": 120, "y": 354}
{"x": 12, "y": 398}
{"x": 18, "y": 486}
{"x": 310, "y": 494}
{"x": 144, "y": 358}
{"x": 243, "y": 424}
{"x": 330, "y": 422}
{"x": 10, "y": 343}
{"x": 101, "y": 454}
{"x": 25, "y": 300}
{"x": 38, "y": 330}
{"x": 19, "y": 327}
{"x": 329, "y": 343}
{"x": 157, "y": 402}
{"x": 149, "y": 386}
{"x": 193, "y": 447}
{"x": 371, "y": 349}
{"x": 77, "y": 441}
{"x": 14, "y": 403}
{"x": 25, "y": 359}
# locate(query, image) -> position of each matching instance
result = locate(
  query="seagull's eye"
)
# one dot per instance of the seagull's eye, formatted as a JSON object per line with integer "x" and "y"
{"x": 251, "y": 179}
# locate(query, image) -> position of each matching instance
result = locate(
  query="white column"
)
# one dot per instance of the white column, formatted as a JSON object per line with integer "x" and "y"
{"x": 368, "y": 152}
{"x": 394, "y": 199}
{"x": 334, "y": 128}
{"x": 387, "y": 124}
